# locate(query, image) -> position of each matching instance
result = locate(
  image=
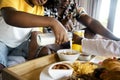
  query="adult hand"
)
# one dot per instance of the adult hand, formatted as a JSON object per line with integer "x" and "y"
{"x": 89, "y": 34}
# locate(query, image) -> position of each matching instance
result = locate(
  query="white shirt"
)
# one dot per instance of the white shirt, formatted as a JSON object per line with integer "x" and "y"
{"x": 13, "y": 36}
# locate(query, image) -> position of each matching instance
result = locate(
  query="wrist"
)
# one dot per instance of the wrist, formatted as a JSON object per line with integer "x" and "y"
{"x": 80, "y": 12}
{"x": 53, "y": 22}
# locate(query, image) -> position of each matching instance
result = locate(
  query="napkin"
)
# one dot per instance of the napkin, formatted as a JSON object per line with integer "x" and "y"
{"x": 101, "y": 47}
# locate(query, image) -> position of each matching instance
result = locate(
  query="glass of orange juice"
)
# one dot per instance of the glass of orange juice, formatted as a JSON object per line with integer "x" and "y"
{"x": 78, "y": 47}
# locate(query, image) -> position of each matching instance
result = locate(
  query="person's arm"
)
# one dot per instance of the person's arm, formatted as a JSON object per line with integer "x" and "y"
{"x": 96, "y": 26}
{"x": 99, "y": 47}
{"x": 34, "y": 47}
{"x": 26, "y": 20}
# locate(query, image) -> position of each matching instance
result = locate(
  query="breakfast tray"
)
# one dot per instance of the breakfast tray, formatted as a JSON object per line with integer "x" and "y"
{"x": 30, "y": 70}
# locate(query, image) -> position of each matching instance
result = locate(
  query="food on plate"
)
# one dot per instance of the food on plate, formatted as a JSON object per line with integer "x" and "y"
{"x": 68, "y": 55}
{"x": 111, "y": 64}
{"x": 60, "y": 70}
{"x": 110, "y": 75}
{"x": 83, "y": 71}
{"x": 109, "y": 70}
{"x": 60, "y": 66}
{"x": 112, "y": 67}
{"x": 81, "y": 68}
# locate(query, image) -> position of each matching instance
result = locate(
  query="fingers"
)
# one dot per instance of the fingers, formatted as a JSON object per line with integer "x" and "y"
{"x": 60, "y": 32}
{"x": 61, "y": 38}
{"x": 65, "y": 38}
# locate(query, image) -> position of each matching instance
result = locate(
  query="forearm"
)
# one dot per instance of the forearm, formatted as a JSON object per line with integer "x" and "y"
{"x": 25, "y": 20}
{"x": 96, "y": 27}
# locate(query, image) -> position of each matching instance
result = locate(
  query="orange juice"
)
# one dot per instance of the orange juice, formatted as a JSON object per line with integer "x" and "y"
{"x": 77, "y": 47}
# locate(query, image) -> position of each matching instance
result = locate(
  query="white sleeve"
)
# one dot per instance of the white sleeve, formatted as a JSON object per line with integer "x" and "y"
{"x": 101, "y": 47}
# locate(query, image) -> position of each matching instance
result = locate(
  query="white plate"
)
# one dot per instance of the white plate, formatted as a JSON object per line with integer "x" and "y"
{"x": 44, "y": 75}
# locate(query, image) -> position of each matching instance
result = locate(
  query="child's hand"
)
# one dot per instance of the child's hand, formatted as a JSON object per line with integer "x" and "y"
{"x": 60, "y": 32}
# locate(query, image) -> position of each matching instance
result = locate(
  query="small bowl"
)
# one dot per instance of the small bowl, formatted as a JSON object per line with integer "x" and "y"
{"x": 84, "y": 57}
{"x": 68, "y": 54}
{"x": 60, "y": 70}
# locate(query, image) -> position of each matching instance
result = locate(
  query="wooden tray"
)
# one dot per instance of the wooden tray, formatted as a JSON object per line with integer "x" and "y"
{"x": 29, "y": 70}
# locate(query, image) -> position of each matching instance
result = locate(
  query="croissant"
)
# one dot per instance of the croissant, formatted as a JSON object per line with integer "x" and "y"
{"x": 111, "y": 64}
{"x": 110, "y": 70}
{"x": 111, "y": 75}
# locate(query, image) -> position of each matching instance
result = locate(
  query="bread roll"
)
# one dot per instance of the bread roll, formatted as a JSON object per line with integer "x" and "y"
{"x": 111, "y": 64}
